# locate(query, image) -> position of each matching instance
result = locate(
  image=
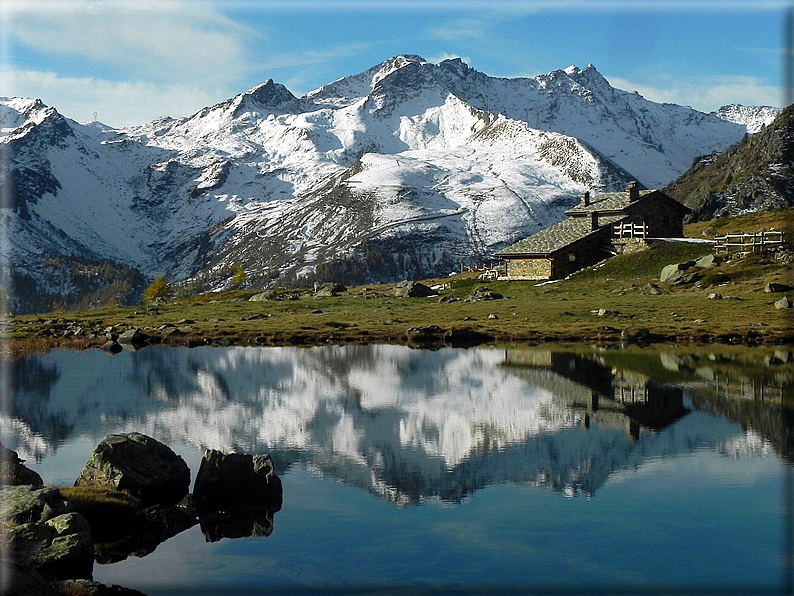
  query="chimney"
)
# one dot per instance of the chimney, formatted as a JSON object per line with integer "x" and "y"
{"x": 586, "y": 198}
{"x": 633, "y": 190}
{"x": 594, "y": 221}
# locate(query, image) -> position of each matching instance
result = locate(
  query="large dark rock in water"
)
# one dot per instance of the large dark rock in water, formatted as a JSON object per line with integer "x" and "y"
{"x": 45, "y": 535}
{"x": 139, "y": 464}
{"x": 237, "y": 477}
{"x": 13, "y": 472}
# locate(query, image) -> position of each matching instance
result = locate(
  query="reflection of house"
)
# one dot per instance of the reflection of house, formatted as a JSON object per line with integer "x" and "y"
{"x": 609, "y": 397}
{"x": 596, "y": 229}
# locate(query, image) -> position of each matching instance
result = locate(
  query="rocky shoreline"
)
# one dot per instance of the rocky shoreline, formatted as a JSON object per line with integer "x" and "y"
{"x": 131, "y": 495}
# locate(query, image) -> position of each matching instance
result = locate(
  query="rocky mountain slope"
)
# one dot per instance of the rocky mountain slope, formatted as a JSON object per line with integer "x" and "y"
{"x": 755, "y": 175}
{"x": 404, "y": 170}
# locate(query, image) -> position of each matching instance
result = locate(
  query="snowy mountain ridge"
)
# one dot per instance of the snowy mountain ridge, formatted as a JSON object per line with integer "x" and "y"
{"x": 441, "y": 163}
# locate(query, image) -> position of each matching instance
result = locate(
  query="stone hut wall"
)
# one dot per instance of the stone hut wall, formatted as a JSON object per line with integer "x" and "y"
{"x": 530, "y": 268}
{"x": 663, "y": 221}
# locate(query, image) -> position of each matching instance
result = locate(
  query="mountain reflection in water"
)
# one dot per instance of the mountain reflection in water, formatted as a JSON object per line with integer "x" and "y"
{"x": 412, "y": 425}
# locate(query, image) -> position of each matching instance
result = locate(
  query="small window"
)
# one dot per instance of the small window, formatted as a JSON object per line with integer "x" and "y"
{"x": 571, "y": 257}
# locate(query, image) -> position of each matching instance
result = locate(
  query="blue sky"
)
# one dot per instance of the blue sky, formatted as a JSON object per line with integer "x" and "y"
{"x": 130, "y": 61}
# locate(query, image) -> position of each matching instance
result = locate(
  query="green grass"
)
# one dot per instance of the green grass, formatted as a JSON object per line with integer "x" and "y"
{"x": 107, "y": 511}
{"x": 778, "y": 219}
{"x": 560, "y": 311}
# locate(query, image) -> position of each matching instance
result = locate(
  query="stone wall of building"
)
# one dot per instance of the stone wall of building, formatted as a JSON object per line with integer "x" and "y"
{"x": 530, "y": 269}
{"x": 628, "y": 245}
{"x": 662, "y": 221}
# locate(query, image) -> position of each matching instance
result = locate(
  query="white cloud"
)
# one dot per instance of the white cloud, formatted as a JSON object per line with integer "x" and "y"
{"x": 275, "y": 61}
{"x": 165, "y": 40}
{"x": 118, "y": 104}
{"x": 707, "y": 93}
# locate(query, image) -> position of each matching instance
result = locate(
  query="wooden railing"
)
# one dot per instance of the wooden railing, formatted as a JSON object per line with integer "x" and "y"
{"x": 749, "y": 242}
{"x": 631, "y": 230}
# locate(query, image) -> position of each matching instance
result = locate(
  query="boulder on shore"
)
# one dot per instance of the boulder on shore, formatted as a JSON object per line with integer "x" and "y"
{"x": 146, "y": 468}
{"x": 45, "y": 535}
{"x": 134, "y": 338}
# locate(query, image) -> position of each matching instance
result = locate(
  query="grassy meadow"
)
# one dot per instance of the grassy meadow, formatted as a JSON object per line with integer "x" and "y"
{"x": 565, "y": 310}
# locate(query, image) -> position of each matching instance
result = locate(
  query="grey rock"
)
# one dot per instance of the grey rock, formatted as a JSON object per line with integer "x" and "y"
{"x": 135, "y": 462}
{"x": 328, "y": 289}
{"x": 14, "y": 472}
{"x": 675, "y": 271}
{"x": 28, "y": 504}
{"x": 427, "y": 334}
{"x": 774, "y": 288}
{"x": 256, "y": 317}
{"x": 133, "y": 337}
{"x": 714, "y": 296}
{"x": 448, "y": 298}
{"x": 111, "y": 347}
{"x": 58, "y": 548}
{"x": 481, "y": 293}
{"x": 412, "y": 289}
{"x": 654, "y": 290}
{"x": 783, "y": 303}
{"x": 262, "y": 296}
{"x": 708, "y": 261}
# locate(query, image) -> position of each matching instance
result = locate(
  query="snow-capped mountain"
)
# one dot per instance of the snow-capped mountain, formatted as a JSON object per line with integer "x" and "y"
{"x": 404, "y": 170}
{"x": 755, "y": 118}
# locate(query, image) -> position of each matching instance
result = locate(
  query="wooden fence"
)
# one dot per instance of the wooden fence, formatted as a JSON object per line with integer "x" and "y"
{"x": 631, "y": 230}
{"x": 749, "y": 242}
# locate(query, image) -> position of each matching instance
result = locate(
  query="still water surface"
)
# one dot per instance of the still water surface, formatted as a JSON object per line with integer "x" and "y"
{"x": 450, "y": 471}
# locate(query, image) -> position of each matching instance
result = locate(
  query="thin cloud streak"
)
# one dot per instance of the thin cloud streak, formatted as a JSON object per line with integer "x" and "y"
{"x": 118, "y": 104}
{"x": 184, "y": 40}
{"x": 443, "y": 6}
{"x": 709, "y": 94}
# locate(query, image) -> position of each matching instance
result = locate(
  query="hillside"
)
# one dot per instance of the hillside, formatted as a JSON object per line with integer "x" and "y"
{"x": 754, "y": 175}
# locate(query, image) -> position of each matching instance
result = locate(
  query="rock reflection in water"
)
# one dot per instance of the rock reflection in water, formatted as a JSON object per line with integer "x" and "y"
{"x": 238, "y": 521}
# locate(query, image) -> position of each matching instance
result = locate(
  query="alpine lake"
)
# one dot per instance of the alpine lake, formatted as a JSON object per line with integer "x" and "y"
{"x": 490, "y": 470}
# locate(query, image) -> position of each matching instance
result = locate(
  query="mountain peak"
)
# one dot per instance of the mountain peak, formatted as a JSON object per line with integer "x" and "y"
{"x": 270, "y": 94}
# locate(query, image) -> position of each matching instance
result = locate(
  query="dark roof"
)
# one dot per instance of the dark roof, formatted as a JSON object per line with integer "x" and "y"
{"x": 557, "y": 237}
{"x": 619, "y": 202}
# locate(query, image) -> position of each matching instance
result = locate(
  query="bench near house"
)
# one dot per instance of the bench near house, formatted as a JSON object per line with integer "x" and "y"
{"x": 596, "y": 229}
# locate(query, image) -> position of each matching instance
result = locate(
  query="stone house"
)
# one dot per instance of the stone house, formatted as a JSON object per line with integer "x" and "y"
{"x": 596, "y": 229}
